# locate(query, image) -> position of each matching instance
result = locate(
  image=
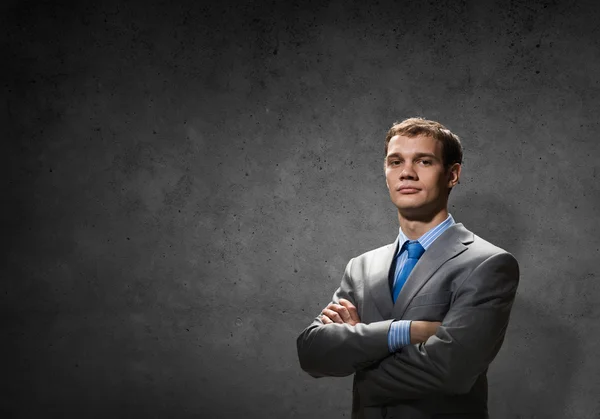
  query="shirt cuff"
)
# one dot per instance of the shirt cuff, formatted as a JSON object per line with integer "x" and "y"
{"x": 399, "y": 335}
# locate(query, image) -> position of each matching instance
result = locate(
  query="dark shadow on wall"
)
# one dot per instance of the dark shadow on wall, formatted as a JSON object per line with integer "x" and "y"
{"x": 532, "y": 374}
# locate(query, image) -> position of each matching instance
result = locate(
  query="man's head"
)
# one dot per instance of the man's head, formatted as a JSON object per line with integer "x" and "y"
{"x": 422, "y": 164}
{"x": 451, "y": 148}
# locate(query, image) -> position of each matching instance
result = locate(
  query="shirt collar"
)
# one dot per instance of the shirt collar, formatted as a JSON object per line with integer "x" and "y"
{"x": 428, "y": 238}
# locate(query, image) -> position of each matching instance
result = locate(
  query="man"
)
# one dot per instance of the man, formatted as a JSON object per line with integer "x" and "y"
{"x": 417, "y": 321}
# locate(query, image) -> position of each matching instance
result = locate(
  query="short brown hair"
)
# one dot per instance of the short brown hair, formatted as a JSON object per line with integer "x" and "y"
{"x": 451, "y": 148}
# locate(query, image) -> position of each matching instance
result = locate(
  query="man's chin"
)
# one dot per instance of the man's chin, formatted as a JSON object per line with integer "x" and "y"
{"x": 410, "y": 206}
{"x": 416, "y": 212}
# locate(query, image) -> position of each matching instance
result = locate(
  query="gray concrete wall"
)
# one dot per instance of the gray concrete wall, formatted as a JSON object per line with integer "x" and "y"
{"x": 187, "y": 182}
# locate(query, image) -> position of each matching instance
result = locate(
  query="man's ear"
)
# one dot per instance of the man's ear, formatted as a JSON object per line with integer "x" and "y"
{"x": 454, "y": 175}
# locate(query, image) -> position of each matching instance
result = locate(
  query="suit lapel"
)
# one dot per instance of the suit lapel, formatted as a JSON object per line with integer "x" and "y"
{"x": 378, "y": 285}
{"x": 451, "y": 243}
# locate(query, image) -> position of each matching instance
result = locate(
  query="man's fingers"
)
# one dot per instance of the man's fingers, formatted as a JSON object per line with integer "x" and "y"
{"x": 341, "y": 311}
{"x": 332, "y": 315}
{"x": 346, "y": 303}
{"x": 345, "y": 312}
{"x": 352, "y": 311}
{"x": 325, "y": 319}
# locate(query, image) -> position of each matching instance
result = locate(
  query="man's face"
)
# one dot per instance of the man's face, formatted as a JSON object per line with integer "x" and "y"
{"x": 415, "y": 175}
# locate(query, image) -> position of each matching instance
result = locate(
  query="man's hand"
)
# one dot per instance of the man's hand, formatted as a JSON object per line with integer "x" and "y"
{"x": 344, "y": 312}
{"x": 420, "y": 331}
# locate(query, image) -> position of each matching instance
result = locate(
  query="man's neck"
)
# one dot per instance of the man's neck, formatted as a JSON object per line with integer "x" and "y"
{"x": 415, "y": 228}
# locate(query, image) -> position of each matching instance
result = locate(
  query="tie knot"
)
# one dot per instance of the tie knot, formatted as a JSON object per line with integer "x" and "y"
{"x": 414, "y": 249}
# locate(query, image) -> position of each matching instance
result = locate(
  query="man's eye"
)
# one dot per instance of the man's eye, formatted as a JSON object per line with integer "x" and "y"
{"x": 394, "y": 162}
{"x": 426, "y": 162}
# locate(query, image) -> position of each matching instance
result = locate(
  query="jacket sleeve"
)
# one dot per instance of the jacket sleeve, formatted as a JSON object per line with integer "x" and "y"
{"x": 465, "y": 344}
{"x": 338, "y": 350}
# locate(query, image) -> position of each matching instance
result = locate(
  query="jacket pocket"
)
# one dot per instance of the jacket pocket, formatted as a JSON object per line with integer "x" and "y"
{"x": 431, "y": 298}
{"x": 430, "y": 307}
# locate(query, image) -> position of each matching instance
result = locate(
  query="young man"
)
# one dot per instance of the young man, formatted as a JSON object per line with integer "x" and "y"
{"x": 417, "y": 321}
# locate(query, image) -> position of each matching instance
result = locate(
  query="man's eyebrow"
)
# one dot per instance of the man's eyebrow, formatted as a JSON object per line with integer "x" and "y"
{"x": 433, "y": 156}
{"x": 393, "y": 156}
{"x": 416, "y": 155}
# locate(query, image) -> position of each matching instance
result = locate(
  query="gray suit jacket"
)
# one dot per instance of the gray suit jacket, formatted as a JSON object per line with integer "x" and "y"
{"x": 464, "y": 282}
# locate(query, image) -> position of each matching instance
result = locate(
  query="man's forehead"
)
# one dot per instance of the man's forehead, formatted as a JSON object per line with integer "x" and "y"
{"x": 400, "y": 144}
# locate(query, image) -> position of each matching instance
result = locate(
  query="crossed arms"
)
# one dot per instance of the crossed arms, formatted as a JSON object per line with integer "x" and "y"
{"x": 449, "y": 361}
{"x": 345, "y": 312}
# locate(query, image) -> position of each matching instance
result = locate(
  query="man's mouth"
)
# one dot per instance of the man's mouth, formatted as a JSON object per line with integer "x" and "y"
{"x": 408, "y": 189}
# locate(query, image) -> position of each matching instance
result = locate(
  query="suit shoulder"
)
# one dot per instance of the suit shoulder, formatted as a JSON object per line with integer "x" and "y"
{"x": 375, "y": 253}
{"x": 486, "y": 249}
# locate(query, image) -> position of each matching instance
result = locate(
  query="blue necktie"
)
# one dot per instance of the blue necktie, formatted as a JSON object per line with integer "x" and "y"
{"x": 415, "y": 250}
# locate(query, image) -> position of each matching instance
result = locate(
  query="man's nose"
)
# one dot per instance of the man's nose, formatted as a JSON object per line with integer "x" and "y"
{"x": 408, "y": 172}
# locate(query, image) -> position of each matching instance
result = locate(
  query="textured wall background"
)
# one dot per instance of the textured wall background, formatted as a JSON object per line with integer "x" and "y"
{"x": 186, "y": 182}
